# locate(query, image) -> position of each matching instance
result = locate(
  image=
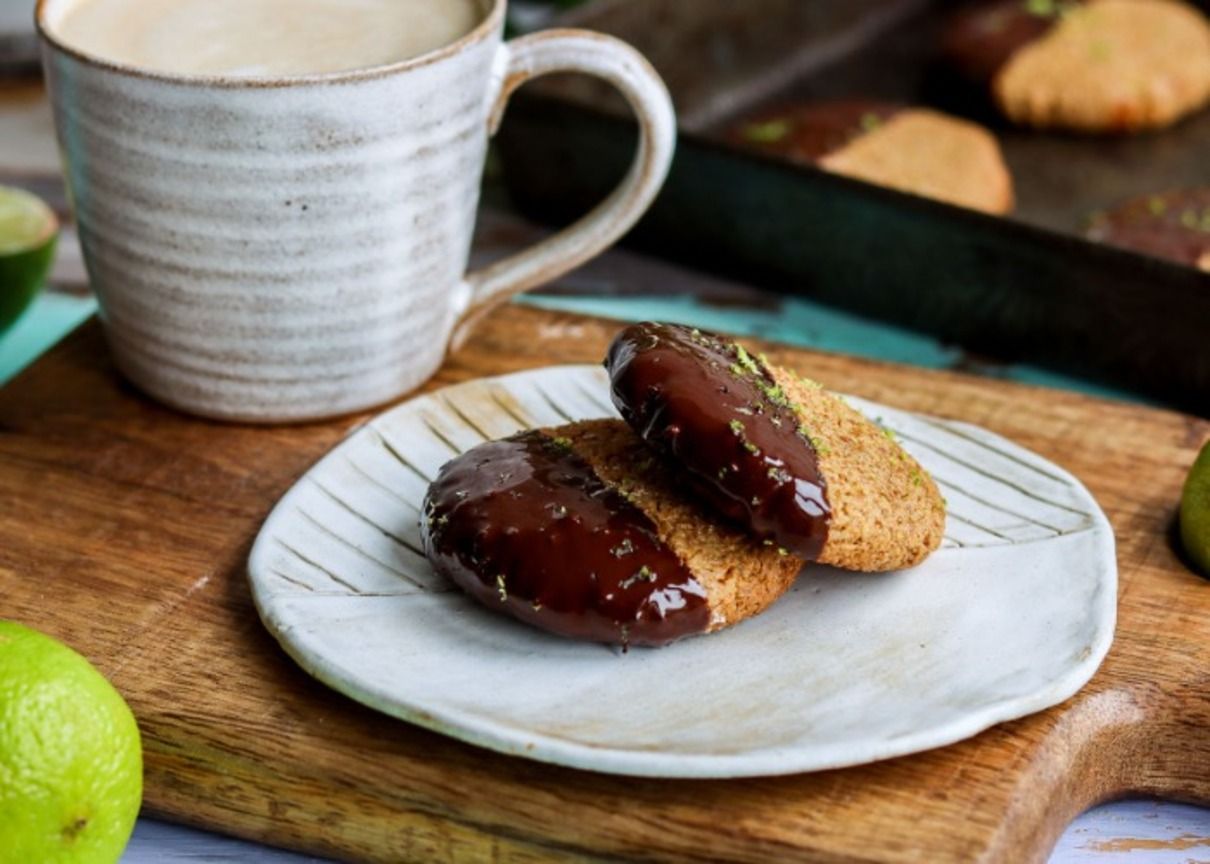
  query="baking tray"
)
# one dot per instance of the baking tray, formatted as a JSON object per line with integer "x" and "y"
{"x": 1025, "y": 287}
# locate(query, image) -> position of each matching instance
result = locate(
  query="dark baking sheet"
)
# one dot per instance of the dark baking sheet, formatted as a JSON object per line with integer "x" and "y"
{"x": 1027, "y": 287}
{"x": 1059, "y": 178}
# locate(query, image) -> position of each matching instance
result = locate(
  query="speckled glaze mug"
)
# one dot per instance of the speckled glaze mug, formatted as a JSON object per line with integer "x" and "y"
{"x": 274, "y": 250}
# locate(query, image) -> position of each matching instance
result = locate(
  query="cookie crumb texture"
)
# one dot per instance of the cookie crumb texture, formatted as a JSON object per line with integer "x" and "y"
{"x": 580, "y": 532}
{"x": 1111, "y": 66}
{"x": 887, "y": 513}
{"x": 933, "y": 155}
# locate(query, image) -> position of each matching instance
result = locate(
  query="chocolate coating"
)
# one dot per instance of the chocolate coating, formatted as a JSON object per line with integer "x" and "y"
{"x": 718, "y": 414}
{"x": 1174, "y": 225}
{"x": 526, "y": 526}
{"x": 811, "y": 131}
{"x": 981, "y": 39}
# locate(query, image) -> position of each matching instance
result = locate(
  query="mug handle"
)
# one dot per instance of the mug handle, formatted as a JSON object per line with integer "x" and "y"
{"x": 567, "y": 50}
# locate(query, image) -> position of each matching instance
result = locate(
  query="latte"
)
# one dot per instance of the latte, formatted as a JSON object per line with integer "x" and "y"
{"x": 263, "y": 38}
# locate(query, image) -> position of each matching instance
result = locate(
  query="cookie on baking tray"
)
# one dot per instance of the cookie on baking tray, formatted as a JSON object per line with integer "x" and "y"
{"x": 1173, "y": 225}
{"x": 914, "y": 150}
{"x": 1086, "y": 65}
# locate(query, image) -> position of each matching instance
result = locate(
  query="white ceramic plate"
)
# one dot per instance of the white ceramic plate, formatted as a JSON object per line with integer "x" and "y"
{"x": 1012, "y": 615}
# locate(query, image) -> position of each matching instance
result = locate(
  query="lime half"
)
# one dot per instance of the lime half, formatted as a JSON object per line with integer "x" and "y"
{"x": 28, "y": 229}
{"x": 1195, "y": 513}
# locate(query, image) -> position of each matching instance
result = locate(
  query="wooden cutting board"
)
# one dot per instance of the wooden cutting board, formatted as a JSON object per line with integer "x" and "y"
{"x": 125, "y": 527}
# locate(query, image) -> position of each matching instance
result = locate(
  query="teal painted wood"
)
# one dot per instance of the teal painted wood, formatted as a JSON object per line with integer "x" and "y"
{"x": 48, "y": 319}
{"x": 793, "y": 321}
{"x": 813, "y": 325}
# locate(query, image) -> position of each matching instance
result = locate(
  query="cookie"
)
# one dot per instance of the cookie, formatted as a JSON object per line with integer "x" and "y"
{"x": 980, "y": 39}
{"x": 887, "y": 513}
{"x": 1095, "y": 66}
{"x": 1174, "y": 225}
{"x": 913, "y": 150}
{"x": 809, "y": 131}
{"x": 583, "y": 532}
{"x": 777, "y": 455}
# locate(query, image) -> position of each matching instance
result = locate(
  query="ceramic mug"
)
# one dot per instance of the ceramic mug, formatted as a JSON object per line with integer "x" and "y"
{"x": 270, "y": 250}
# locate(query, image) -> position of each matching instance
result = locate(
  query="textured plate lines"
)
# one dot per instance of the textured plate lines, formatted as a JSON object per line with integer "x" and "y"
{"x": 1013, "y": 615}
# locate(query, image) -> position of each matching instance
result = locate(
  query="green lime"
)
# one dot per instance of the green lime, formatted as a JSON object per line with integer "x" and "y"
{"x": 1195, "y": 512}
{"x": 71, "y": 762}
{"x": 28, "y": 230}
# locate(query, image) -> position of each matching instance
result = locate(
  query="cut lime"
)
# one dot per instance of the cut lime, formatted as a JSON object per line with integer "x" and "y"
{"x": 28, "y": 230}
{"x": 1195, "y": 513}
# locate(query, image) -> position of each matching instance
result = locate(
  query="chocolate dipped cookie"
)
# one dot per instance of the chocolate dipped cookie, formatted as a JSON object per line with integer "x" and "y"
{"x": 582, "y": 531}
{"x": 775, "y": 454}
{"x": 914, "y": 150}
{"x": 1173, "y": 225}
{"x": 1086, "y": 65}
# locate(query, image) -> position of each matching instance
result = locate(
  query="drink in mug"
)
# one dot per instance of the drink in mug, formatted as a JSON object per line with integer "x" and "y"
{"x": 275, "y": 198}
{"x": 264, "y": 37}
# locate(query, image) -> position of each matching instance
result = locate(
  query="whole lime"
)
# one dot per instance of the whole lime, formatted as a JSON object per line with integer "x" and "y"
{"x": 1195, "y": 512}
{"x": 71, "y": 761}
{"x": 28, "y": 231}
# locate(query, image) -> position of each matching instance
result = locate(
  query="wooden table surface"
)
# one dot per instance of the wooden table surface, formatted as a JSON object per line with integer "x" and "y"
{"x": 113, "y": 499}
{"x": 1129, "y": 832}
{"x": 1184, "y": 832}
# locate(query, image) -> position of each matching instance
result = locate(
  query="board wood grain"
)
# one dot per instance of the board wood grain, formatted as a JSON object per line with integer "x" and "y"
{"x": 125, "y": 528}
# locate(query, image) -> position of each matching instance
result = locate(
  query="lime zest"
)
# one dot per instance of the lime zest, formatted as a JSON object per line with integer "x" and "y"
{"x": 767, "y": 133}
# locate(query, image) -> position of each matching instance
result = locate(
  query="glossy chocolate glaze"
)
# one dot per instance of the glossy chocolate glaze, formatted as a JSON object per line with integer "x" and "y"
{"x": 811, "y": 131}
{"x": 526, "y": 526}
{"x": 981, "y": 39}
{"x": 1173, "y": 225}
{"x": 719, "y": 415}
